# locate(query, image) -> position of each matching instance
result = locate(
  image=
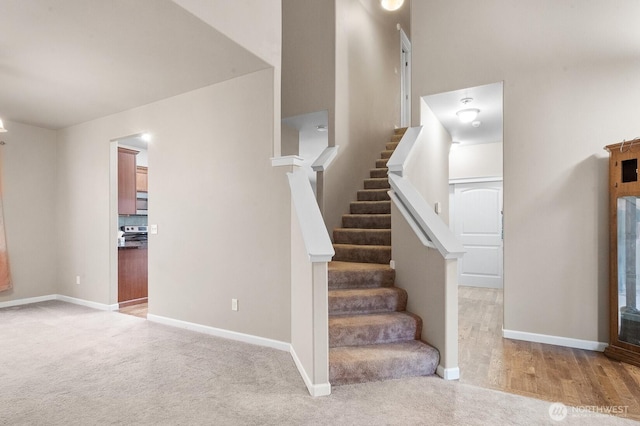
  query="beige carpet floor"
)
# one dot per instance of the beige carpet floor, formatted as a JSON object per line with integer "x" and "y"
{"x": 62, "y": 364}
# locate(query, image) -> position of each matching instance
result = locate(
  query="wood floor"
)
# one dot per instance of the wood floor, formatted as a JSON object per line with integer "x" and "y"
{"x": 574, "y": 377}
{"x": 139, "y": 310}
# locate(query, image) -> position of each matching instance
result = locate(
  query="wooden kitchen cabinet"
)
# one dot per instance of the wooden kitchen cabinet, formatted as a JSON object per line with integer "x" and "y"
{"x": 132, "y": 275}
{"x": 142, "y": 181}
{"x": 126, "y": 181}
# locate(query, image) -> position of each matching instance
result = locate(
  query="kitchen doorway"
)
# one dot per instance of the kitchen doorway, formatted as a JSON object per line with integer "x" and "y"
{"x": 129, "y": 213}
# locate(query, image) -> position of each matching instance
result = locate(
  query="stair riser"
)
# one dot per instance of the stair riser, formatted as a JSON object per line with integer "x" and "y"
{"x": 399, "y": 365}
{"x": 390, "y": 146}
{"x": 372, "y": 207}
{"x": 393, "y": 300}
{"x": 379, "y": 173}
{"x": 386, "y": 154}
{"x": 363, "y": 254}
{"x": 381, "y": 163}
{"x": 361, "y": 279}
{"x": 378, "y": 183}
{"x": 401, "y": 329}
{"x": 373, "y": 195}
{"x": 367, "y": 237}
{"x": 370, "y": 221}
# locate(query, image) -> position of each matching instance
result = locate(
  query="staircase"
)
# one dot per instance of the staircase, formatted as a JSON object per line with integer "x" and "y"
{"x": 371, "y": 335}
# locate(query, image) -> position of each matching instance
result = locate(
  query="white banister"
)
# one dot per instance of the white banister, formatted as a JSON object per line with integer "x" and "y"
{"x": 426, "y": 219}
{"x": 311, "y": 250}
{"x": 398, "y": 160}
{"x": 324, "y": 159}
{"x": 314, "y": 232}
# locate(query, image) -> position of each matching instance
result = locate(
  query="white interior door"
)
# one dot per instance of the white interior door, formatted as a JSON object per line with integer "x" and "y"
{"x": 477, "y": 223}
{"x": 405, "y": 80}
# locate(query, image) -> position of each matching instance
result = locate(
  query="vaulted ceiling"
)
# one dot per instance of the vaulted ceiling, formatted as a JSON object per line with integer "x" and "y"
{"x": 67, "y": 62}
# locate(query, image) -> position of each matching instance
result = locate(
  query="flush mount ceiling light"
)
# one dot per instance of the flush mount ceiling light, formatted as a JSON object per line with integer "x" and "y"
{"x": 321, "y": 128}
{"x": 2, "y": 129}
{"x": 469, "y": 114}
{"x": 146, "y": 137}
{"x": 391, "y": 4}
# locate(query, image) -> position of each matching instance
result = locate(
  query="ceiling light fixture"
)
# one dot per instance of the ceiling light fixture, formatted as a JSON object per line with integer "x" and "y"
{"x": 469, "y": 114}
{"x": 391, "y": 4}
{"x": 146, "y": 137}
{"x": 2, "y": 129}
{"x": 321, "y": 128}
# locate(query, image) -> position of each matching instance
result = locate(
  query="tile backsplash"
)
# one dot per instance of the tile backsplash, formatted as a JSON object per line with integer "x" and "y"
{"x": 131, "y": 220}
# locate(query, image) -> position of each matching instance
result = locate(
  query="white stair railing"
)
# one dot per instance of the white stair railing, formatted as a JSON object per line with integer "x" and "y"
{"x": 311, "y": 250}
{"x": 425, "y": 253}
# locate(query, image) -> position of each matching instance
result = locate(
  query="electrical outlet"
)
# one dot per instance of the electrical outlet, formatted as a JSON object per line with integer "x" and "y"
{"x": 78, "y": 279}
{"x": 234, "y": 304}
{"x": 392, "y": 264}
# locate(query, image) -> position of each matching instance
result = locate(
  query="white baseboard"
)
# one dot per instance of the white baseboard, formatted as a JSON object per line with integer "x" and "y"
{"x": 568, "y": 342}
{"x": 323, "y": 389}
{"x": 448, "y": 373}
{"x": 219, "y": 332}
{"x": 63, "y": 298}
{"x": 27, "y": 301}
{"x": 87, "y": 303}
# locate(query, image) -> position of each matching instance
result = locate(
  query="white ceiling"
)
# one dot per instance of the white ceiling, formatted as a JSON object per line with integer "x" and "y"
{"x": 487, "y": 98}
{"x": 67, "y": 62}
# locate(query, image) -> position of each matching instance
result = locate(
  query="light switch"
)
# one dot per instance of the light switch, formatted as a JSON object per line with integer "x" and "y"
{"x": 153, "y": 229}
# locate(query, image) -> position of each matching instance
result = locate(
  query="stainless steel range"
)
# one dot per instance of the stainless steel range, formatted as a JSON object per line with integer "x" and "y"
{"x": 135, "y": 232}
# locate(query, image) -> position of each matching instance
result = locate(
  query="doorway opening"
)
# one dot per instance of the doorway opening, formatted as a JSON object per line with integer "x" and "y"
{"x": 405, "y": 80}
{"x": 129, "y": 213}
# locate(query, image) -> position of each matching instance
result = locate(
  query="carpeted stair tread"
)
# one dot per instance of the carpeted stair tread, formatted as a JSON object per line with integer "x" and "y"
{"x": 367, "y": 237}
{"x": 381, "y": 162}
{"x": 400, "y": 130}
{"x": 386, "y": 154}
{"x": 377, "y": 183}
{"x": 370, "y": 207}
{"x": 359, "y": 364}
{"x": 373, "y": 195}
{"x": 397, "y": 137}
{"x": 362, "y": 253}
{"x": 379, "y": 173}
{"x": 367, "y": 300}
{"x": 371, "y": 329}
{"x": 344, "y": 275}
{"x": 391, "y": 145}
{"x": 369, "y": 221}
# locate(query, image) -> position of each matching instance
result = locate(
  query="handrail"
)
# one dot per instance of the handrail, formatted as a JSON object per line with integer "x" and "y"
{"x": 314, "y": 231}
{"x": 420, "y": 215}
{"x": 324, "y": 159}
{"x": 397, "y": 162}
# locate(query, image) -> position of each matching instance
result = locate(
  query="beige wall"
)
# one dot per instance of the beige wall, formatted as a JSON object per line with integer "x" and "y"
{"x": 427, "y": 167}
{"x": 570, "y": 84}
{"x": 28, "y": 179}
{"x": 473, "y": 161}
{"x": 222, "y": 211}
{"x": 367, "y": 99}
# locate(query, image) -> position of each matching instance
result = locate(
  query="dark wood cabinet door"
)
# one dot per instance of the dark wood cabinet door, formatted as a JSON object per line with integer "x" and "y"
{"x": 132, "y": 274}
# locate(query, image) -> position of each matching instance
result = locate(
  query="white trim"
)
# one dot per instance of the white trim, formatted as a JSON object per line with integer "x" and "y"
{"x": 63, "y": 298}
{"x": 426, "y": 218}
{"x": 219, "y": 332}
{"x": 27, "y": 301}
{"x": 323, "y": 389}
{"x": 88, "y": 303}
{"x": 324, "y": 160}
{"x": 476, "y": 180}
{"x": 314, "y": 232}
{"x": 405, "y": 81}
{"x": 412, "y": 223}
{"x": 568, "y": 342}
{"x": 400, "y": 155}
{"x": 287, "y": 160}
{"x": 448, "y": 373}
